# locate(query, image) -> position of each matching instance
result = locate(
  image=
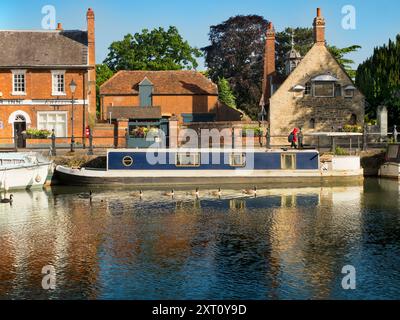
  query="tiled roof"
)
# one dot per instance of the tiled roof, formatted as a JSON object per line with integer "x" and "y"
{"x": 165, "y": 82}
{"x": 43, "y": 48}
{"x": 134, "y": 112}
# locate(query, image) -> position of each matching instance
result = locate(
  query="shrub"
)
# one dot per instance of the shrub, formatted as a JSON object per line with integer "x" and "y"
{"x": 38, "y": 134}
{"x": 257, "y": 132}
{"x": 352, "y": 128}
{"x": 341, "y": 152}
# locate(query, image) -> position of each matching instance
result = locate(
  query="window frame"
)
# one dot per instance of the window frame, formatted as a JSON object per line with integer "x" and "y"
{"x": 242, "y": 157}
{"x": 39, "y": 113}
{"x": 323, "y": 82}
{"x": 294, "y": 157}
{"x": 194, "y": 165}
{"x": 14, "y": 74}
{"x": 349, "y": 90}
{"x": 54, "y": 85}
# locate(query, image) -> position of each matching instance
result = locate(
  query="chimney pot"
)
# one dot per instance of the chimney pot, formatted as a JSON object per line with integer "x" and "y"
{"x": 59, "y": 26}
{"x": 318, "y": 12}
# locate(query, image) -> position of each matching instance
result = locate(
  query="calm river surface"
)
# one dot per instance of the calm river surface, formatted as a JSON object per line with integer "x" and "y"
{"x": 289, "y": 243}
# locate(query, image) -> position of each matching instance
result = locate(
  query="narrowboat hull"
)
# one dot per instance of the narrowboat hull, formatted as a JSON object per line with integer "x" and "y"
{"x": 80, "y": 177}
{"x": 166, "y": 167}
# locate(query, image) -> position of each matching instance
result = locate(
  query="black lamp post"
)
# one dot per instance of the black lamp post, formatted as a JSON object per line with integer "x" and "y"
{"x": 72, "y": 87}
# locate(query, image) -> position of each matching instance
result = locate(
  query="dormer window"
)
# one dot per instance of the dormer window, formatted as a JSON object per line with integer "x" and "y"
{"x": 349, "y": 91}
{"x": 146, "y": 93}
{"x": 324, "y": 89}
{"x": 324, "y": 86}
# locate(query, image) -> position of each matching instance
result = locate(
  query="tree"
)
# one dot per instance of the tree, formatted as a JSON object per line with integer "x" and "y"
{"x": 339, "y": 54}
{"x": 236, "y": 53}
{"x": 303, "y": 41}
{"x": 225, "y": 93}
{"x": 379, "y": 79}
{"x": 103, "y": 73}
{"x": 152, "y": 50}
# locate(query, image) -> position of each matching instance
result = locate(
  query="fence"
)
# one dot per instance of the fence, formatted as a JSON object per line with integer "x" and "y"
{"x": 323, "y": 142}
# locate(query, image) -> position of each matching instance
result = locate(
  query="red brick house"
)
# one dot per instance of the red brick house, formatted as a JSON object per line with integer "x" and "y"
{"x": 36, "y": 68}
{"x": 145, "y": 95}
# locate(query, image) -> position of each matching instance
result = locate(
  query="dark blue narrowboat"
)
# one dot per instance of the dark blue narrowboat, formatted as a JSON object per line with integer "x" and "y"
{"x": 196, "y": 166}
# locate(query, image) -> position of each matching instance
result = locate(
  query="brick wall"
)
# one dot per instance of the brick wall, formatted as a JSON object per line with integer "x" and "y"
{"x": 170, "y": 104}
{"x": 39, "y": 87}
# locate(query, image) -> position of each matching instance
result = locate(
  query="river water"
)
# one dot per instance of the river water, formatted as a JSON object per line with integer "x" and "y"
{"x": 286, "y": 243}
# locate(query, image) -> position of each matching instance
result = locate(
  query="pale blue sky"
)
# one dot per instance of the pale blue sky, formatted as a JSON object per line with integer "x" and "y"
{"x": 377, "y": 21}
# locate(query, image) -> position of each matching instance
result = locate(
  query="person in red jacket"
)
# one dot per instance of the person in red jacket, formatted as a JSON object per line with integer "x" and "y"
{"x": 293, "y": 138}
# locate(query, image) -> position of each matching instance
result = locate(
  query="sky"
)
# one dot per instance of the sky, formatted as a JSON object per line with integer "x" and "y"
{"x": 376, "y": 21}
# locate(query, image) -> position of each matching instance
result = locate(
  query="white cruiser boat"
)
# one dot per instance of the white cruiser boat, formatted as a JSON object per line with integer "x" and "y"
{"x": 22, "y": 171}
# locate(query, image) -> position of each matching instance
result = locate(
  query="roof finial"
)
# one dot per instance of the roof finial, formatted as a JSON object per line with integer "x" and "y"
{"x": 292, "y": 38}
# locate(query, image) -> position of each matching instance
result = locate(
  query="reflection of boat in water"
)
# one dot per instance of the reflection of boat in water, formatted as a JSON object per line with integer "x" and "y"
{"x": 208, "y": 166}
{"x": 391, "y": 168}
{"x": 22, "y": 171}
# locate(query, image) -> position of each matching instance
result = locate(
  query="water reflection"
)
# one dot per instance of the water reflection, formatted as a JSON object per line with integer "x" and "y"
{"x": 283, "y": 244}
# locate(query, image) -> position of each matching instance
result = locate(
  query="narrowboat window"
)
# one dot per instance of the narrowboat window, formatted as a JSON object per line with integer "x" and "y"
{"x": 288, "y": 162}
{"x": 127, "y": 161}
{"x": 237, "y": 160}
{"x": 188, "y": 159}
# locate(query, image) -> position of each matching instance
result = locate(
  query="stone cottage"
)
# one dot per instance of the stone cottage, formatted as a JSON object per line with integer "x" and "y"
{"x": 316, "y": 93}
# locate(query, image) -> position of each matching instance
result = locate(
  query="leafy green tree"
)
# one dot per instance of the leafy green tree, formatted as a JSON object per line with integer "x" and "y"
{"x": 379, "y": 79}
{"x": 225, "y": 93}
{"x": 303, "y": 41}
{"x": 157, "y": 49}
{"x": 339, "y": 54}
{"x": 103, "y": 73}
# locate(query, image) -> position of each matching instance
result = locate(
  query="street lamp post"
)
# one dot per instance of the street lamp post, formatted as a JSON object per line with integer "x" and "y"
{"x": 72, "y": 87}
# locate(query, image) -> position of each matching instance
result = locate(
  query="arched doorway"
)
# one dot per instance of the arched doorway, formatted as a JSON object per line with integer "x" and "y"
{"x": 19, "y": 130}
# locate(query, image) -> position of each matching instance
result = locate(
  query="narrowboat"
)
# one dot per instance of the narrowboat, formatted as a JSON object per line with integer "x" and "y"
{"x": 391, "y": 168}
{"x": 203, "y": 167}
{"x": 22, "y": 171}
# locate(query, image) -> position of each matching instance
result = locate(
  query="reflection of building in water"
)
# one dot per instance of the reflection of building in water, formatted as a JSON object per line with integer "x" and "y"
{"x": 305, "y": 229}
{"x": 45, "y": 232}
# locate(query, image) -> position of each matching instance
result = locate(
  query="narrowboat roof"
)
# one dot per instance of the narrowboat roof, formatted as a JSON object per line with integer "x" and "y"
{"x": 213, "y": 150}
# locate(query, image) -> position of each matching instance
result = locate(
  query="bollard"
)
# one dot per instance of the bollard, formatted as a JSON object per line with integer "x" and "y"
{"x": 268, "y": 136}
{"x": 90, "y": 152}
{"x": 365, "y": 139}
{"x": 126, "y": 138}
{"x": 300, "y": 138}
{"x": 53, "y": 143}
{"x": 16, "y": 140}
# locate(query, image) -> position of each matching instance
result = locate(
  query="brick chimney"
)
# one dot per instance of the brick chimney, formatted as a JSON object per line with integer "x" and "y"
{"x": 91, "y": 88}
{"x": 319, "y": 28}
{"x": 59, "y": 27}
{"x": 269, "y": 62}
{"x": 91, "y": 36}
